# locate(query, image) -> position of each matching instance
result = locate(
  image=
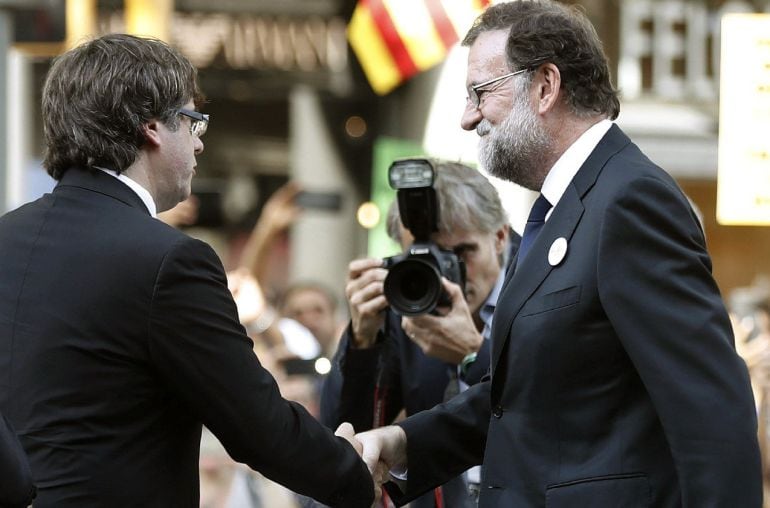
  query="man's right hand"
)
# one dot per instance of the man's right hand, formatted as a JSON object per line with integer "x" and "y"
{"x": 383, "y": 450}
{"x": 364, "y": 292}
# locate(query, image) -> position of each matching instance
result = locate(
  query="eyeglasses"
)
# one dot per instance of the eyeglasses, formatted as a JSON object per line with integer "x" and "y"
{"x": 475, "y": 91}
{"x": 199, "y": 122}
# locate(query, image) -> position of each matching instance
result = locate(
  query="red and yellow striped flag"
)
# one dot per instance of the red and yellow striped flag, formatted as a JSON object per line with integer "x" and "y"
{"x": 396, "y": 39}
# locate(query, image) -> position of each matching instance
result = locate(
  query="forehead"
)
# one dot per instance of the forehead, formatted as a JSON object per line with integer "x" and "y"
{"x": 306, "y": 297}
{"x": 450, "y": 240}
{"x": 486, "y": 57}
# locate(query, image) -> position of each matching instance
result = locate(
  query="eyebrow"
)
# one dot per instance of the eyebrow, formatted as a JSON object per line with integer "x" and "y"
{"x": 462, "y": 247}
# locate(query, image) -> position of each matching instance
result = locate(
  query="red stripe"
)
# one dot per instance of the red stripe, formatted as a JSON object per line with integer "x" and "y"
{"x": 378, "y": 418}
{"x": 438, "y": 497}
{"x": 444, "y": 26}
{"x": 392, "y": 39}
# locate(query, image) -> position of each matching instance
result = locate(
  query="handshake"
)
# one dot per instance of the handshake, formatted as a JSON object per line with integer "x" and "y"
{"x": 382, "y": 449}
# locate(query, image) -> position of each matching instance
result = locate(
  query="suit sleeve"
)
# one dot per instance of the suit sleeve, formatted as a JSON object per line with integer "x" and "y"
{"x": 444, "y": 441}
{"x": 656, "y": 287}
{"x": 204, "y": 355}
{"x": 358, "y": 378}
{"x": 16, "y": 487}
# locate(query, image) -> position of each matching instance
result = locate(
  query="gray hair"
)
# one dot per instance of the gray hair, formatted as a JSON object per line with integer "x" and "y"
{"x": 467, "y": 201}
{"x": 98, "y": 96}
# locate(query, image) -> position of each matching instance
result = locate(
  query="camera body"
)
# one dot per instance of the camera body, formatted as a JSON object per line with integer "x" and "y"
{"x": 413, "y": 284}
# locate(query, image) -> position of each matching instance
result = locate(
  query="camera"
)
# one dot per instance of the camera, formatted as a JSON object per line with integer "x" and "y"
{"x": 413, "y": 284}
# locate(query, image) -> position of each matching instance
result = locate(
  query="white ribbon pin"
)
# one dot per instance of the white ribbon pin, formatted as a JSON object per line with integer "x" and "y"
{"x": 557, "y": 251}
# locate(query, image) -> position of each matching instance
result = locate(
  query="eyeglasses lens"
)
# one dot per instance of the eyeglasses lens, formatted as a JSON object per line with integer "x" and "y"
{"x": 198, "y": 128}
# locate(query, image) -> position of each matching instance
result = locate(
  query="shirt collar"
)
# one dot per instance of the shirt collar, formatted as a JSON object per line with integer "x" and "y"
{"x": 565, "y": 169}
{"x": 140, "y": 191}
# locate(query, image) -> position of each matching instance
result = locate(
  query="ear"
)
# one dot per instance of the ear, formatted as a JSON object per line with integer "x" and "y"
{"x": 501, "y": 238}
{"x": 151, "y": 133}
{"x": 548, "y": 81}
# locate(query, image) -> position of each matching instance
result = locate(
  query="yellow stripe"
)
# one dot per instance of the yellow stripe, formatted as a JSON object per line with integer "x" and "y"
{"x": 372, "y": 53}
{"x": 416, "y": 28}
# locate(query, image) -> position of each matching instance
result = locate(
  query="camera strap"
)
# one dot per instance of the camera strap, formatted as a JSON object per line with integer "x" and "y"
{"x": 382, "y": 383}
{"x": 381, "y": 388}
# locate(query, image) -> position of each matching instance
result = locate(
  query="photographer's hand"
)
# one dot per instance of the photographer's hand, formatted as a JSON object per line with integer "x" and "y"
{"x": 366, "y": 300}
{"x": 448, "y": 337}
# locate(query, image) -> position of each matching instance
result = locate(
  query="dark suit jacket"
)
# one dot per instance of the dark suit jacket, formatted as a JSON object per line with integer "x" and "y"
{"x": 119, "y": 338}
{"x": 614, "y": 377}
{"x": 16, "y": 488}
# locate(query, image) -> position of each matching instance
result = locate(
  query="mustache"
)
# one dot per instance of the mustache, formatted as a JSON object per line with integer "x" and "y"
{"x": 484, "y": 127}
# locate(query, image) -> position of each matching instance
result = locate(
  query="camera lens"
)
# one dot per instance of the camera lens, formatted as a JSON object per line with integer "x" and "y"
{"x": 413, "y": 287}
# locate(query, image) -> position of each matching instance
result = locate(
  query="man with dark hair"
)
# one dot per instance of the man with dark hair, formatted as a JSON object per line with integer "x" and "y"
{"x": 614, "y": 379}
{"x": 118, "y": 335}
{"x": 386, "y": 364}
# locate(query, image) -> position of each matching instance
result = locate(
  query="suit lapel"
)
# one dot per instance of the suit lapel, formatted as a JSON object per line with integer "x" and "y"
{"x": 526, "y": 278}
{"x": 521, "y": 283}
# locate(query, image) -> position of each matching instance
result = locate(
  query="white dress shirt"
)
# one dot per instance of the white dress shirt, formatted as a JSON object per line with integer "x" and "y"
{"x": 565, "y": 169}
{"x": 140, "y": 191}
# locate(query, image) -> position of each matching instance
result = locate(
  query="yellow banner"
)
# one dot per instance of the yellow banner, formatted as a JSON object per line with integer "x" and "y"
{"x": 743, "y": 184}
{"x": 395, "y": 39}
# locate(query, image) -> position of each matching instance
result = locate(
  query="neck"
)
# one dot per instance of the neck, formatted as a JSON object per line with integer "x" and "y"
{"x": 565, "y": 129}
{"x": 138, "y": 173}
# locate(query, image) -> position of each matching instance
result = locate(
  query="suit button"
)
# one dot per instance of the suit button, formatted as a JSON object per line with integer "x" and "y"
{"x": 497, "y": 412}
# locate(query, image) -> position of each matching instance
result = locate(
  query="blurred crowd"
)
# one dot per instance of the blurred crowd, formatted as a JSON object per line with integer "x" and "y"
{"x": 750, "y": 314}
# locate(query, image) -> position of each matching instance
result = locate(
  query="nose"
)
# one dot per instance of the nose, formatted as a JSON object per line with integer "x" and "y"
{"x": 198, "y": 145}
{"x": 471, "y": 116}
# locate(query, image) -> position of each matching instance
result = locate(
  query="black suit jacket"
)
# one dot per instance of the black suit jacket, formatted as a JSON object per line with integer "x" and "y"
{"x": 614, "y": 377}
{"x": 16, "y": 487}
{"x": 119, "y": 338}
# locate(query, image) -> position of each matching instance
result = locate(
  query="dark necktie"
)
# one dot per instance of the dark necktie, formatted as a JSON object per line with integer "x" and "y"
{"x": 534, "y": 225}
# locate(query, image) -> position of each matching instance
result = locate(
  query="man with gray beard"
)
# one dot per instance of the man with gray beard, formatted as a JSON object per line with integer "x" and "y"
{"x": 614, "y": 379}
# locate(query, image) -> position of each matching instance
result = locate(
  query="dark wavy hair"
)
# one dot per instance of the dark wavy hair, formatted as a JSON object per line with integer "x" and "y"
{"x": 98, "y": 95}
{"x": 542, "y": 31}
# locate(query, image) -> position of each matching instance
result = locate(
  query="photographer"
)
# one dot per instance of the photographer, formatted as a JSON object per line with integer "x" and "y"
{"x": 387, "y": 363}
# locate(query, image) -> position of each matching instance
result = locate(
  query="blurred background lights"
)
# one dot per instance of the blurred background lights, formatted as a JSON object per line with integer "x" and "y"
{"x": 368, "y": 215}
{"x": 355, "y": 126}
{"x": 323, "y": 366}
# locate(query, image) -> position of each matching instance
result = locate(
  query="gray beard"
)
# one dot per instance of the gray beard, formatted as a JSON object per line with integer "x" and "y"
{"x": 516, "y": 149}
